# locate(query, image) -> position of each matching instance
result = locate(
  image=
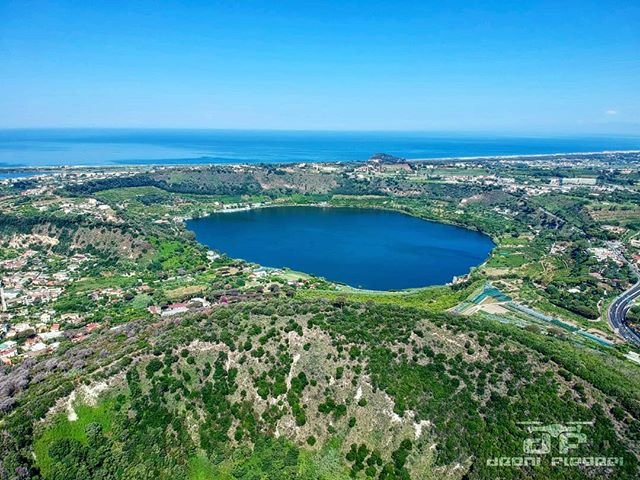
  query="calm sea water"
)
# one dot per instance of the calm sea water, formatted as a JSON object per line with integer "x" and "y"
{"x": 371, "y": 249}
{"x": 18, "y": 174}
{"x": 115, "y": 147}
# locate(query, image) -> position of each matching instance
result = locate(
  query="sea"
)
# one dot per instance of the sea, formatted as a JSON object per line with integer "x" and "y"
{"x": 95, "y": 147}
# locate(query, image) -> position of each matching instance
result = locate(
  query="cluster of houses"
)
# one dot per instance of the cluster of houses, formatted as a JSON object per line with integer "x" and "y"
{"x": 30, "y": 326}
{"x": 29, "y": 282}
{"x": 508, "y": 184}
{"x": 90, "y": 207}
{"x": 51, "y": 179}
{"x": 25, "y": 339}
{"x": 223, "y": 297}
{"x": 603, "y": 254}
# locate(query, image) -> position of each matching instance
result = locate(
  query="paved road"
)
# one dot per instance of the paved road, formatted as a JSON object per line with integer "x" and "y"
{"x": 618, "y": 311}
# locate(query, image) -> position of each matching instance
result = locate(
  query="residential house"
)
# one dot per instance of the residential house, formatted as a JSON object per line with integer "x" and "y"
{"x": 174, "y": 309}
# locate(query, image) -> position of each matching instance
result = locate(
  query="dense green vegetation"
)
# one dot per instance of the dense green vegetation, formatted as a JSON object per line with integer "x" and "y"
{"x": 470, "y": 391}
{"x": 284, "y": 376}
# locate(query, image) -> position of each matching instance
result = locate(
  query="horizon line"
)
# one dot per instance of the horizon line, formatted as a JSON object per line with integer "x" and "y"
{"x": 524, "y": 133}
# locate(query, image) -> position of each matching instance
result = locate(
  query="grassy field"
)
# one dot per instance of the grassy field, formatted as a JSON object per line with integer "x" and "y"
{"x": 200, "y": 468}
{"x": 432, "y": 298}
{"x": 184, "y": 292}
{"x": 505, "y": 258}
{"x": 62, "y": 428}
{"x": 323, "y": 464}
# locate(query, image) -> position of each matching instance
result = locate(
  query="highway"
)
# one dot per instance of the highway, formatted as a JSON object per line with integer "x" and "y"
{"x": 618, "y": 311}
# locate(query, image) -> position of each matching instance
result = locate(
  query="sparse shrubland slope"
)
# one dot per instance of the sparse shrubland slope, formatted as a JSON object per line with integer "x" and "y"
{"x": 75, "y": 233}
{"x": 314, "y": 389}
{"x": 274, "y": 181}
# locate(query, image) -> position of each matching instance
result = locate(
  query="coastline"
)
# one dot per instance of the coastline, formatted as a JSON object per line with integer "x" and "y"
{"x": 526, "y": 155}
{"x": 151, "y": 164}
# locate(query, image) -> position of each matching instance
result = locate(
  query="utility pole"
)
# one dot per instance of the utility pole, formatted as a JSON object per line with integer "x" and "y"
{"x": 2, "y": 300}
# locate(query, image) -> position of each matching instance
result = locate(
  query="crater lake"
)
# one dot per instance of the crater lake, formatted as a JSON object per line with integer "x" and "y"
{"x": 364, "y": 248}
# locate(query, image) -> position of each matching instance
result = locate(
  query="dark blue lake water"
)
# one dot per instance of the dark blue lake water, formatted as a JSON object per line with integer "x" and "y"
{"x": 371, "y": 249}
{"x": 118, "y": 146}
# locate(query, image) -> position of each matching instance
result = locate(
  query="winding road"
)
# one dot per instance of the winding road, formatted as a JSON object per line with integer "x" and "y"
{"x": 618, "y": 311}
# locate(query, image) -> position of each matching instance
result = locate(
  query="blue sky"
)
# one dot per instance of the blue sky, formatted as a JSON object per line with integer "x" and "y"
{"x": 535, "y": 66}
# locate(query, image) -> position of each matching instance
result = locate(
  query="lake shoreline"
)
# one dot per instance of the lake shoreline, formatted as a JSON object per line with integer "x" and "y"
{"x": 362, "y": 207}
{"x": 355, "y": 246}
